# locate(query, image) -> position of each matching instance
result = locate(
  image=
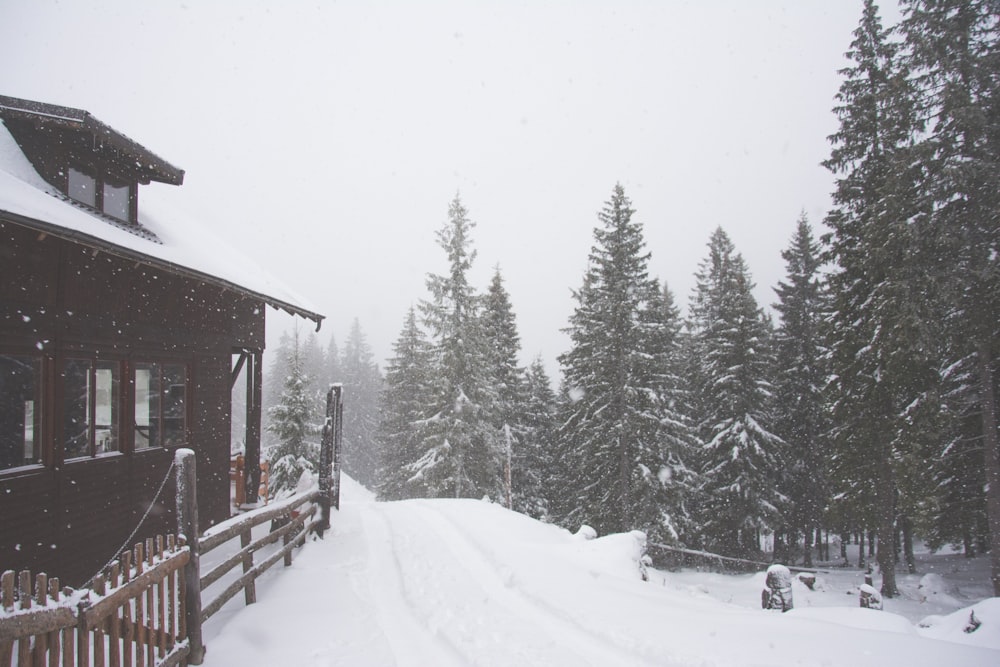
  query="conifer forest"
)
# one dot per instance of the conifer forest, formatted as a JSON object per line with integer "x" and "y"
{"x": 860, "y": 404}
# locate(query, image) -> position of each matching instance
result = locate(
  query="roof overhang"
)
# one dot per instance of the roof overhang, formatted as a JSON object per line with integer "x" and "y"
{"x": 97, "y": 243}
{"x": 146, "y": 165}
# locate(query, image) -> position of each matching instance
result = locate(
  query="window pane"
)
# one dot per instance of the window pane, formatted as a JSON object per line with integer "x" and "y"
{"x": 19, "y": 381}
{"x": 116, "y": 202}
{"x": 147, "y": 390}
{"x": 76, "y": 413}
{"x": 174, "y": 382}
{"x": 106, "y": 407}
{"x": 82, "y": 188}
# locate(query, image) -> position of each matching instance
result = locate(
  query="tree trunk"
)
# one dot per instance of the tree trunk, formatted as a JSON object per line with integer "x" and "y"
{"x": 861, "y": 549}
{"x": 992, "y": 457}
{"x": 807, "y": 536}
{"x": 885, "y": 516}
{"x": 911, "y": 562}
{"x": 844, "y": 539}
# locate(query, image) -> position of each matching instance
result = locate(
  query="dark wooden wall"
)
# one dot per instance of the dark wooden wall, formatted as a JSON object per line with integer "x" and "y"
{"x": 60, "y": 297}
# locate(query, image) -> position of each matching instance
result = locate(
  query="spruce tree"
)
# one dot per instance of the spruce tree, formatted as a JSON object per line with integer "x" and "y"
{"x": 462, "y": 456}
{"x": 293, "y": 423}
{"x": 503, "y": 346}
{"x": 610, "y": 438}
{"x": 404, "y": 406}
{"x": 881, "y": 347}
{"x": 800, "y": 412}
{"x": 362, "y": 386}
{"x": 955, "y": 57}
{"x": 532, "y": 472}
{"x": 741, "y": 456}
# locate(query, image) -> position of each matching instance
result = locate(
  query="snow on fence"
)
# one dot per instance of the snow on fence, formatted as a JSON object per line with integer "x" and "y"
{"x": 132, "y": 615}
{"x": 291, "y": 526}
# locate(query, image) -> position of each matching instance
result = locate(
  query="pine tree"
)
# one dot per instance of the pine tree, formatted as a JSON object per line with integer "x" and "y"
{"x": 800, "y": 416}
{"x": 362, "y": 386}
{"x": 532, "y": 471}
{"x": 403, "y": 412}
{"x": 881, "y": 347}
{"x": 462, "y": 456}
{"x": 741, "y": 456}
{"x": 503, "y": 346}
{"x": 610, "y": 440}
{"x": 292, "y": 421}
{"x": 955, "y": 54}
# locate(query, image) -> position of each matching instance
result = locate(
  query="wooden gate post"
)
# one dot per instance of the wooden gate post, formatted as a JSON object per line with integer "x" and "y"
{"x": 187, "y": 525}
{"x": 338, "y": 436}
{"x": 325, "y": 466}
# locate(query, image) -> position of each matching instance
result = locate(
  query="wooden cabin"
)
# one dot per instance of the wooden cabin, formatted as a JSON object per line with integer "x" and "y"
{"x": 116, "y": 347}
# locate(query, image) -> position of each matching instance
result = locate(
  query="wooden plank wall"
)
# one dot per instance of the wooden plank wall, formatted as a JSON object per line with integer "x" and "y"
{"x": 65, "y": 298}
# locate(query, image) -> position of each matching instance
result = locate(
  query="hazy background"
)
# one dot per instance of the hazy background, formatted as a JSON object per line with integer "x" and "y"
{"x": 326, "y": 139}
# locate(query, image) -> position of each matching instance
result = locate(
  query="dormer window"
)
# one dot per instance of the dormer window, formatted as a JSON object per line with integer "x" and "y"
{"x": 108, "y": 198}
{"x": 82, "y": 188}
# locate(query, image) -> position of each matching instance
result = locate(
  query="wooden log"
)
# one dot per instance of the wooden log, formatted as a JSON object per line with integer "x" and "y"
{"x": 35, "y": 623}
{"x": 98, "y": 628}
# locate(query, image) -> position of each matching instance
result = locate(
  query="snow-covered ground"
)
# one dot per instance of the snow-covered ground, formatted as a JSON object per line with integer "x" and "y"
{"x": 465, "y": 582}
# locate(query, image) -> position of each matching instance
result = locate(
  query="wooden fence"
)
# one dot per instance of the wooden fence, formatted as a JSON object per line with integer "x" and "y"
{"x": 146, "y": 608}
{"x": 290, "y": 525}
{"x": 130, "y": 616}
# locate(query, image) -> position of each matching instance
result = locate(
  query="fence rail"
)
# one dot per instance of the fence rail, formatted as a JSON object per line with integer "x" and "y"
{"x": 291, "y": 525}
{"x": 131, "y": 615}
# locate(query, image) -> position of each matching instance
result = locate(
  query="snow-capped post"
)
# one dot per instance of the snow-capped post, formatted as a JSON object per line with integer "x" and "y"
{"x": 326, "y": 463}
{"x": 777, "y": 593}
{"x": 338, "y": 436}
{"x": 187, "y": 527}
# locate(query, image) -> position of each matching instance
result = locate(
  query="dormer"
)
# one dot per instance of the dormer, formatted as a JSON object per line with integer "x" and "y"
{"x": 90, "y": 163}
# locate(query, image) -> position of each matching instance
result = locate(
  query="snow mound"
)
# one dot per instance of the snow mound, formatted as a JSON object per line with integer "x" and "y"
{"x": 978, "y": 625}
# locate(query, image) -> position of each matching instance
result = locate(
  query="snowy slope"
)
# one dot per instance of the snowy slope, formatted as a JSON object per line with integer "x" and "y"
{"x": 463, "y": 582}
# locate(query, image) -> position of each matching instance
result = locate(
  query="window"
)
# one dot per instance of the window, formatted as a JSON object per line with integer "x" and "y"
{"x": 19, "y": 413}
{"x": 160, "y": 397}
{"x": 90, "y": 415}
{"x": 115, "y": 201}
{"x": 101, "y": 194}
{"x": 82, "y": 188}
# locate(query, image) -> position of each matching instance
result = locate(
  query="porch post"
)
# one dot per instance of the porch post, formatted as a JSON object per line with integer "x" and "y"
{"x": 255, "y": 381}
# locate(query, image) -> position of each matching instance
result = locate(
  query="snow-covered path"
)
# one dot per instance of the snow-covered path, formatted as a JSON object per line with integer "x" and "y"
{"x": 461, "y": 582}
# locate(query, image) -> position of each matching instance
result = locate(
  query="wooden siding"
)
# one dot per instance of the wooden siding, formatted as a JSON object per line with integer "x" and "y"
{"x": 62, "y": 298}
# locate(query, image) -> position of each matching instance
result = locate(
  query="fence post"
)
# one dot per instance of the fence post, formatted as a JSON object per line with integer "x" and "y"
{"x": 338, "y": 436}
{"x": 187, "y": 525}
{"x": 325, "y": 465}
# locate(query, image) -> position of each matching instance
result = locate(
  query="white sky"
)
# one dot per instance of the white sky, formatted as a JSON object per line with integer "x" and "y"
{"x": 327, "y": 139}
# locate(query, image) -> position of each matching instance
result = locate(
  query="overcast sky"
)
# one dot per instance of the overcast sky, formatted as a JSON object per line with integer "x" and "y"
{"x": 327, "y": 139}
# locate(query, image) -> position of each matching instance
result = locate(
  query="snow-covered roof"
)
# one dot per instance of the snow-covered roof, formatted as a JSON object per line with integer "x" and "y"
{"x": 177, "y": 243}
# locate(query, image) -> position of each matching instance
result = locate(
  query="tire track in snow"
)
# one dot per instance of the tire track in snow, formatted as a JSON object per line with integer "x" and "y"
{"x": 531, "y": 631}
{"x": 411, "y": 643}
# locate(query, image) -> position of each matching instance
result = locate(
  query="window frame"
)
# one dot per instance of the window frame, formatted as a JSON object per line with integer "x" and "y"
{"x": 38, "y": 425}
{"x": 161, "y": 418}
{"x": 117, "y": 403}
{"x": 100, "y": 181}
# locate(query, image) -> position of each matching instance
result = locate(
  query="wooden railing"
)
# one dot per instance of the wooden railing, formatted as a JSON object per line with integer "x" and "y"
{"x": 132, "y": 615}
{"x": 290, "y": 525}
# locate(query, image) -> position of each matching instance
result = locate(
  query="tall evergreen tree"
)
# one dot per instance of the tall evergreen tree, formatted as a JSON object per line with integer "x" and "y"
{"x": 462, "y": 457}
{"x": 881, "y": 346}
{"x": 741, "y": 455}
{"x": 610, "y": 439}
{"x": 532, "y": 473}
{"x": 503, "y": 346}
{"x": 955, "y": 54}
{"x": 403, "y": 411}
{"x": 293, "y": 423}
{"x": 362, "y": 386}
{"x": 800, "y": 412}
